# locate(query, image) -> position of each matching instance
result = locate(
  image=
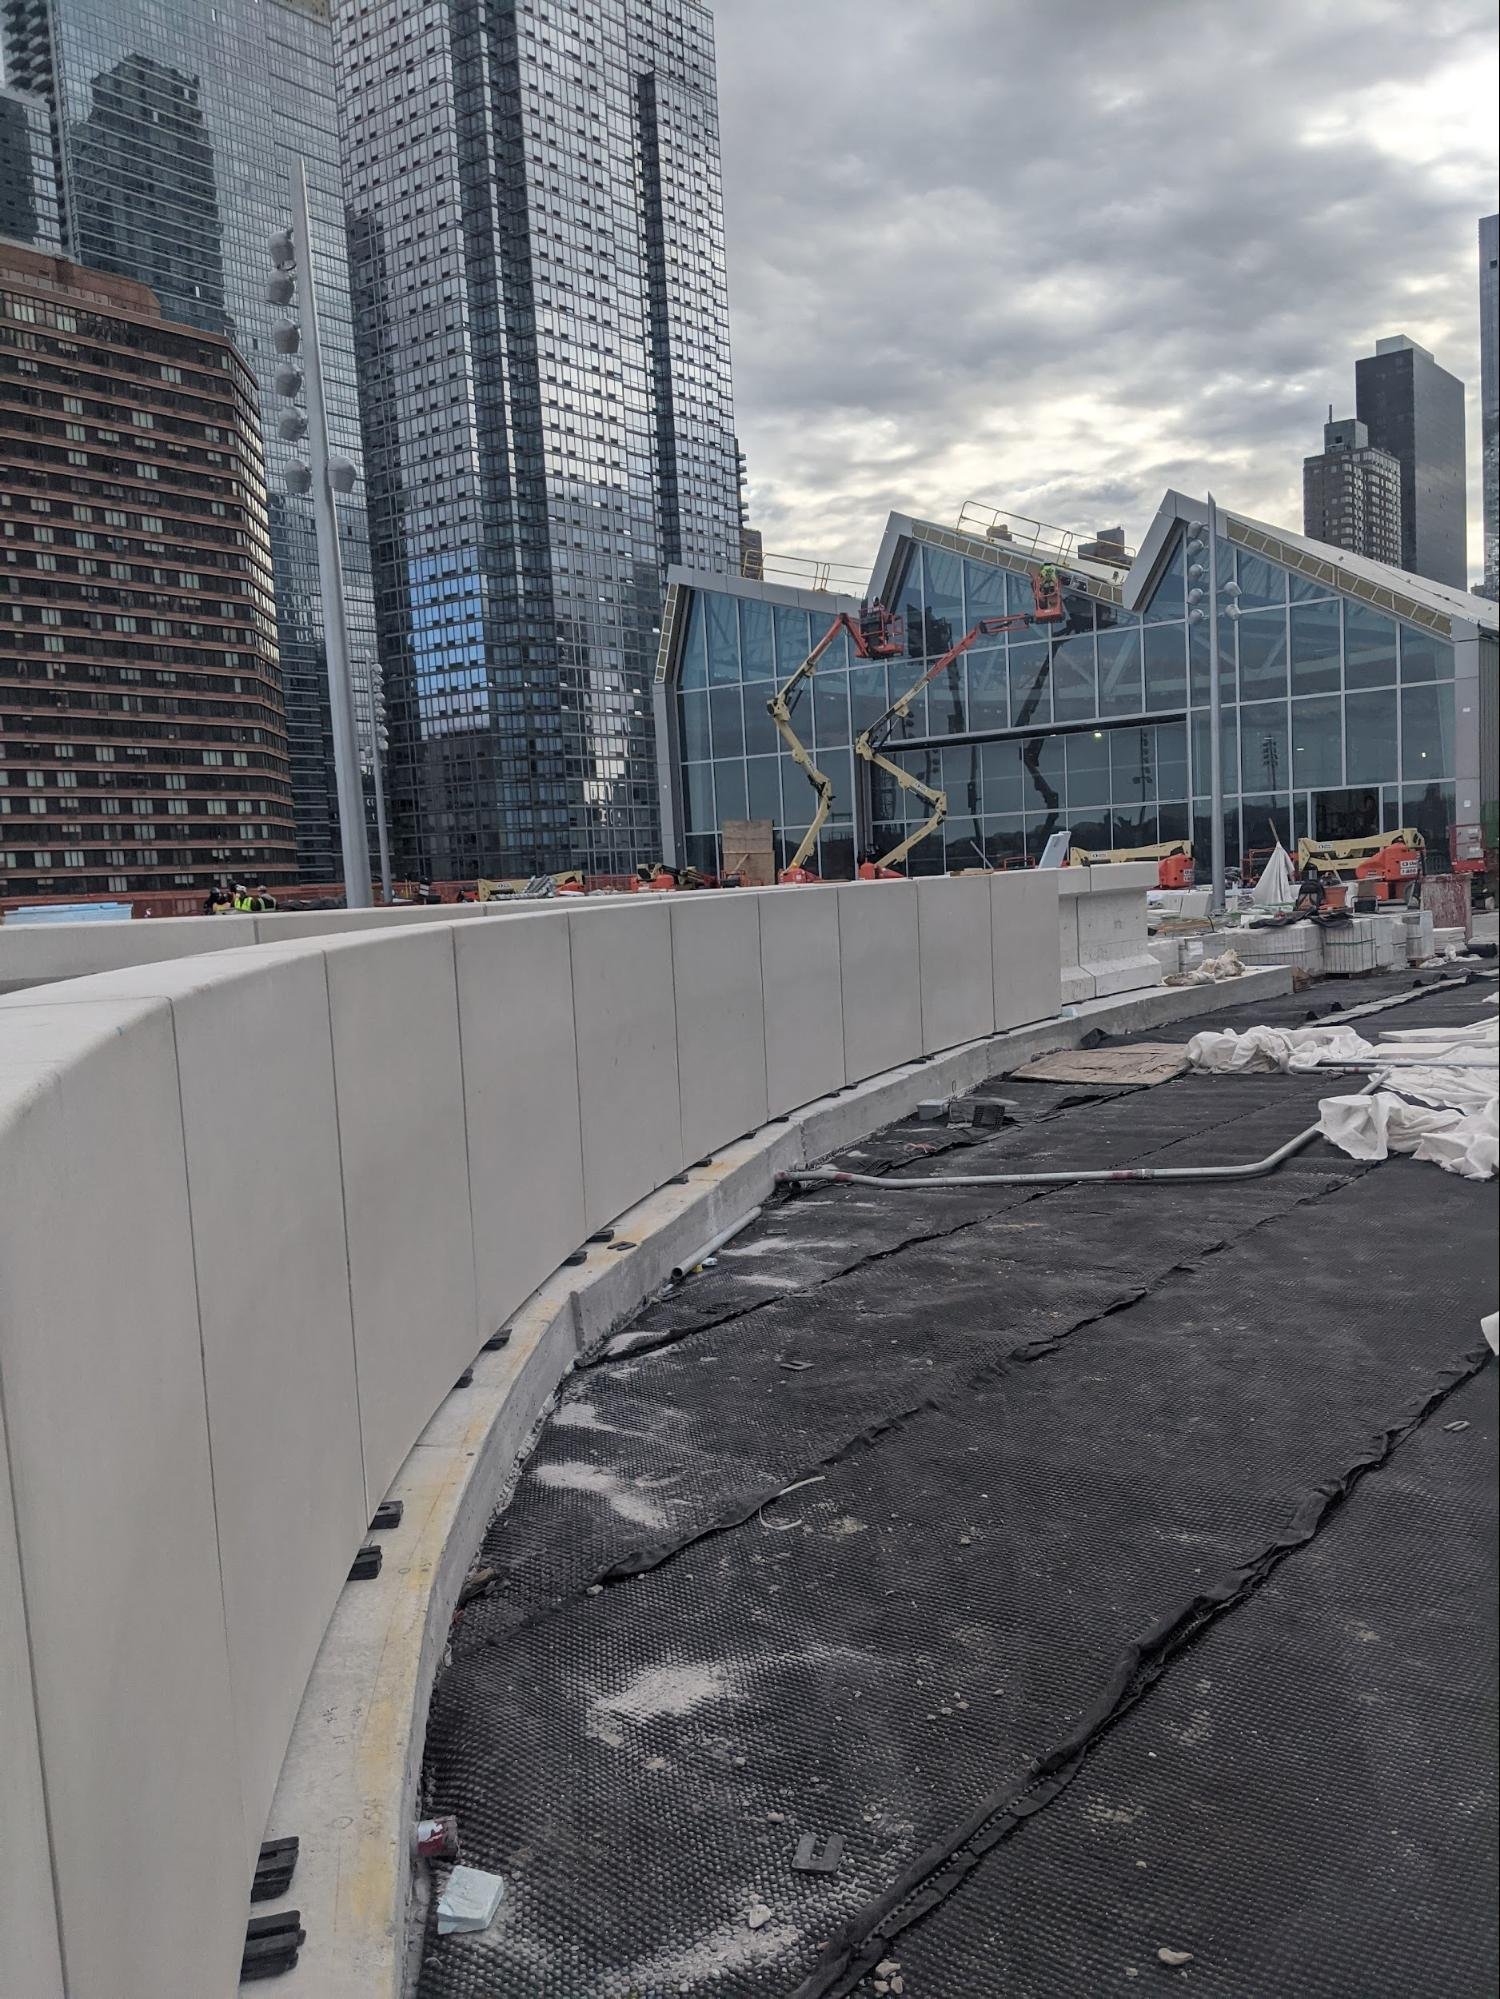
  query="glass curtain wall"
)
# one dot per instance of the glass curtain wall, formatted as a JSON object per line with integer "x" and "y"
{"x": 1337, "y": 720}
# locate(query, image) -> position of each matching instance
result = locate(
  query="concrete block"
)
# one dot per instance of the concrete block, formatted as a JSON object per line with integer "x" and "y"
{"x": 393, "y": 1001}
{"x": 29, "y": 1956}
{"x": 1112, "y": 930}
{"x": 1126, "y": 975}
{"x": 627, "y": 1052}
{"x": 1418, "y": 928}
{"x": 1111, "y": 924}
{"x": 1075, "y": 984}
{"x": 1115, "y": 877}
{"x": 800, "y": 986}
{"x": 955, "y": 954}
{"x": 1027, "y": 920}
{"x": 880, "y": 975}
{"x": 515, "y": 1012}
{"x": 721, "y": 1024}
{"x": 114, "y": 1502}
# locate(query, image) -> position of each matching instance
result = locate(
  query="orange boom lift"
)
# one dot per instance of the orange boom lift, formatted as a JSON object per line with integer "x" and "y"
{"x": 1047, "y": 609}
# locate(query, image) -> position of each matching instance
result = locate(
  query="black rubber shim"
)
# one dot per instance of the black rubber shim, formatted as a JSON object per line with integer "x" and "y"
{"x": 1072, "y": 1456}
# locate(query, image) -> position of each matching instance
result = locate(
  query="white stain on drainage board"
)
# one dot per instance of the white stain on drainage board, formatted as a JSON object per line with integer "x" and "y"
{"x": 656, "y": 1693}
{"x": 579, "y": 1416}
{"x": 606, "y": 1485}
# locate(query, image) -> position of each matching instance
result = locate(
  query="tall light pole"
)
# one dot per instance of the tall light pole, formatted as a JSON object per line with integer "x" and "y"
{"x": 1215, "y": 716}
{"x": 322, "y": 477}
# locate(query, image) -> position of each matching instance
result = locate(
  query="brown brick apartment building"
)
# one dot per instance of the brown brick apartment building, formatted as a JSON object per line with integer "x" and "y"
{"x": 142, "y": 735}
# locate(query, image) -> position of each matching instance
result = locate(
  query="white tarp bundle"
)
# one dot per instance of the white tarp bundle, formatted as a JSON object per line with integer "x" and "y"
{"x": 1436, "y": 1095}
{"x": 1460, "y": 1141}
{"x": 1276, "y": 884}
{"x": 1289, "y": 1048}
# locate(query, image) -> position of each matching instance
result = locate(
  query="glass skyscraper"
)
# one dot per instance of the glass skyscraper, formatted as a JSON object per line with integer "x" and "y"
{"x": 28, "y": 178}
{"x": 176, "y": 126}
{"x": 1489, "y": 395}
{"x": 537, "y": 254}
{"x": 1414, "y": 409}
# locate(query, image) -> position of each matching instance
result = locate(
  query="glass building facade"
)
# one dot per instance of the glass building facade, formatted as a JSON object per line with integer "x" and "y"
{"x": 175, "y": 128}
{"x": 537, "y": 255}
{"x": 1414, "y": 409}
{"x": 29, "y": 207}
{"x": 1489, "y": 396}
{"x": 1349, "y": 706}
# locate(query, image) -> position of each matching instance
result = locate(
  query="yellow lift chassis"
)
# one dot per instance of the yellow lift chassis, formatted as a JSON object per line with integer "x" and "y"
{"x": 875, "y": 635}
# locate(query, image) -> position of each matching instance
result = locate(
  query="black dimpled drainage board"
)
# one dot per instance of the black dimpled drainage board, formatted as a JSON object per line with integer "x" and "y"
{"x": 950, "y": 1599}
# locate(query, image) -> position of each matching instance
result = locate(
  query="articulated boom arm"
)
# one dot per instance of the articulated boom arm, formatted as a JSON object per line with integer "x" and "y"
{"x": 870, "y": 744}
{"x": 875, "y": 634}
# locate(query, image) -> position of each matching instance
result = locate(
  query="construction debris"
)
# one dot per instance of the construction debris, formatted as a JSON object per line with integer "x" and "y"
{"x": 470, "y": 1901}
{"x": 1142, "y": 1062}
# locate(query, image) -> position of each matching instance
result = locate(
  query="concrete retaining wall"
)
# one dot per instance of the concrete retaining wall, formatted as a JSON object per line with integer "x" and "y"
{"x": 258, "y": 1210}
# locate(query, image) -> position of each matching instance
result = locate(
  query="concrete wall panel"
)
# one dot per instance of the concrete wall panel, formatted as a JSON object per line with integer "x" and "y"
{"x": 114, "y": 1502}
{"x": 953, "y": 928}
{"x": 35, "y": 954}
{"x": 29, "y": 1959}
{"x": 515, "y": 1010}
{"x": 879, "y": 975}
{"x": 255, "y": 1059}
{"x": 627, "y": 1053}
{"x": 1029, "y": 922}
{"x": 399, "y": 1083}
{"x": 803, "y": 996}
{"x": 721, "y": 1024}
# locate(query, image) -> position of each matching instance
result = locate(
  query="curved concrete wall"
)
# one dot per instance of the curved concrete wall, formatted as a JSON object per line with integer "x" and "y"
{"x": 38, "y": 954}
{"x": 258, "y": 1210}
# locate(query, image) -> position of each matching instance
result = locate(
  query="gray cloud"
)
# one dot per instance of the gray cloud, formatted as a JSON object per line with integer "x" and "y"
{"x": 1062, "y": 256}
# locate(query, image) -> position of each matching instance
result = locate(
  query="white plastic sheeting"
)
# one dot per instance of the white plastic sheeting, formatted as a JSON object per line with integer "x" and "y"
{"x": 1289, "y": 1048}
{"x": 1460, "y": 1141}
{"x": 1436, "y": 1095}
{"x": 1276, "y": 884}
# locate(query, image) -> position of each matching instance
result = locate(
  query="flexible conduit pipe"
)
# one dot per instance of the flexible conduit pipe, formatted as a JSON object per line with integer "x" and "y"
{"x": 1250, "y": 1169}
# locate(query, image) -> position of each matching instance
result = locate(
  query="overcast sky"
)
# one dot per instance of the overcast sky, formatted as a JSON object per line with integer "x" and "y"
{"x": 1061, "y": 254}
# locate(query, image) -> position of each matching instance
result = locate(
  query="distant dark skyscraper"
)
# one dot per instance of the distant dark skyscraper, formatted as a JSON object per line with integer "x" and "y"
{"x": 28, "y": 176}
{"x": 146, "y": 157}
{"x": 1489, "y": 395}
{"x": 1415, "y": 410}
{"x": 1351, "y": 494}
{"x": 537, "y": 250}
{"x": 176, "y": 125}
